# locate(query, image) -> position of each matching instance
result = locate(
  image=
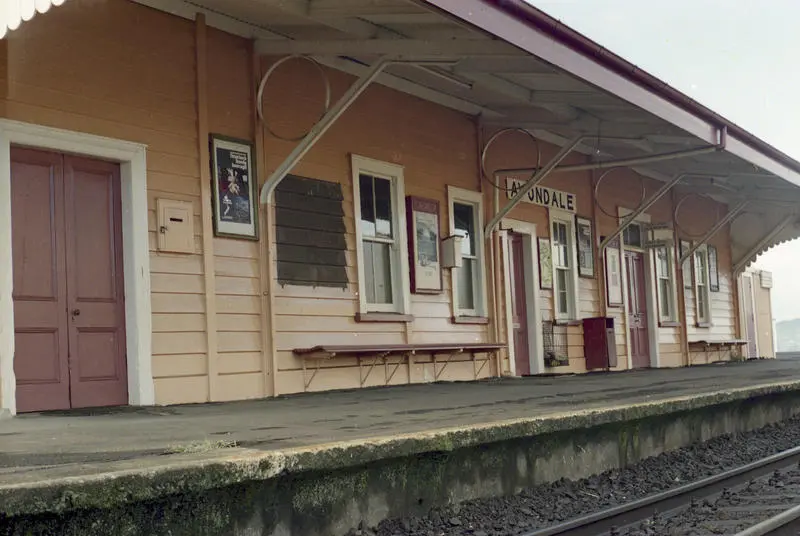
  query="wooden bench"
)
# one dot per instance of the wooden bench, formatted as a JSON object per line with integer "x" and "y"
{"x": 380, "y": 353}
{"x": 718, "y": 346}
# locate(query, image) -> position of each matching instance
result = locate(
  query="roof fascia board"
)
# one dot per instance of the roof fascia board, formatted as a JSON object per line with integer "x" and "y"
{"x": 523, "y": 35}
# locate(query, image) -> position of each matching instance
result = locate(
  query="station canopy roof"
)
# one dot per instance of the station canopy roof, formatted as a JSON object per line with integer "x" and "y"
{"x": 14, "y": 12}
{"x": 513, "y": 66}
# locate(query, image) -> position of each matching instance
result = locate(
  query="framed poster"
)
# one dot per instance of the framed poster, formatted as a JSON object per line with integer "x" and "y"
{"x": 424, "y": 255}
{"x": 545, "y": 263}
{"x": 233, "y": 188}
{"x": 585, "y": 247}
{"x": 713, "y": 269}
{"x": 613, "y": 261}
{"x": 687, "y": 265}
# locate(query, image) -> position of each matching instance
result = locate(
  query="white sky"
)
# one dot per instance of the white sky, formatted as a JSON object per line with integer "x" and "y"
{"x": 738, "y": 57}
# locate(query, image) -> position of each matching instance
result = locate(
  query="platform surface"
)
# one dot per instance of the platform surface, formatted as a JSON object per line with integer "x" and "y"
{"x": 39, "y": 449}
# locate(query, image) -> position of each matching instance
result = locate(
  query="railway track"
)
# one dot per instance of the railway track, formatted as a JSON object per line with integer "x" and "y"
{"x": 760, "y": 498}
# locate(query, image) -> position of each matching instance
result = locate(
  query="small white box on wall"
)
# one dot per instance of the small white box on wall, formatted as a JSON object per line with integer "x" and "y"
{"x": 175, "y": 220}
{"x": 451, "y": 252}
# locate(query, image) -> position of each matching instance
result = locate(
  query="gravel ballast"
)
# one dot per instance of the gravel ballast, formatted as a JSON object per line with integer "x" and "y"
{"x": 562, "y": 500}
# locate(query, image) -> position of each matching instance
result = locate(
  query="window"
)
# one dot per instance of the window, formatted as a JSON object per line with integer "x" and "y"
{"x": 701, "y": 286}
{"x": 380, "y": 232}
{"x": 565, "y": 283}
{"x": 665, "y": 274}
{"x": 466, "y": 221}
{"x": 632, "y": 235}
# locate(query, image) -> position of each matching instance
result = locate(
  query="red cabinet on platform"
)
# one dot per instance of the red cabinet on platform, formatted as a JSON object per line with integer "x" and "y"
{"x": 599, "y": 343}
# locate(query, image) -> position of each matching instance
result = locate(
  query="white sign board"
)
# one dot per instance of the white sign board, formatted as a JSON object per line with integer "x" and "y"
{"x": 542, "y": 195}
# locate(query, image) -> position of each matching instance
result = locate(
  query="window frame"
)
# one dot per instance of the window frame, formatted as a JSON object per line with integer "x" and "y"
{"x": 401, "y": 301}
{"x": 703, "y": 318}
{"x": 475, "y": 199}
{"x": 568, "y": 219}
{"x": 672, "y": 298}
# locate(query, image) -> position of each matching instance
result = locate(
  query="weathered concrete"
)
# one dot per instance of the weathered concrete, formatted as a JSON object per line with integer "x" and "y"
{"x": 328, "y": 489}
{"x": 325, "y": 488}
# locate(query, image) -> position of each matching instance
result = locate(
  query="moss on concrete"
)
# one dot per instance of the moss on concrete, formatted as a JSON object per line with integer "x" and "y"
{"x": 421, "y": 467}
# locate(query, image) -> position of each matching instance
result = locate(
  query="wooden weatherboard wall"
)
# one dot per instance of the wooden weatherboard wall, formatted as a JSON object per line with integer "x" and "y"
{"x": 310, "y": 233}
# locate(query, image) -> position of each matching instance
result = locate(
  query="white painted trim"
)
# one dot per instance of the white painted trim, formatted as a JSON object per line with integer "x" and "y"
{"x": 136, "y": 252}
{"x": 709, "y": 319}
{"x": 568, "y": 218}
{"x": 468, "y": 197}
{"x": 532, "y": 297}
{"x": 400, "y": 274}
{"x": 505, "y": 250}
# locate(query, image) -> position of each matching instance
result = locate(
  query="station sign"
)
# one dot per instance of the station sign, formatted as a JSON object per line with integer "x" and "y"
{"x": 542, "y": 195}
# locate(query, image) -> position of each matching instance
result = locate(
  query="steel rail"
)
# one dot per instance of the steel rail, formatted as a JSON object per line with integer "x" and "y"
{"x": 776, "y": 524}
{"x": 641, "y": 509}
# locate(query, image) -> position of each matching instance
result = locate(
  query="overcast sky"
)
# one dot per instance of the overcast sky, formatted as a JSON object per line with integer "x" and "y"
{"x": 738, "y": 57}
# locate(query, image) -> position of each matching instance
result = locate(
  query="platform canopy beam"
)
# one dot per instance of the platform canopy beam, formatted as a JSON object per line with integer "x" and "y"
{"x": 742, "y": 263}
{"x": 406, "y": 49}
{"x": 711, "y": 232}
{"x": 537, "y": 178}
{"x": 320, "y": 128}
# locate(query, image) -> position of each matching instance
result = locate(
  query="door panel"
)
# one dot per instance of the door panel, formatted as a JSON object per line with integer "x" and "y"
{"x": 98, "y": 374}
{"x": 637, "y": 310}
{"x": 39, "y": 274}
{"x": 519, "y": 309}
{"x": 750, "y": 317}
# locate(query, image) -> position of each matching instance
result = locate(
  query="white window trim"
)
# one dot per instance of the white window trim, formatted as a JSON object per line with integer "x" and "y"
{"x": 132, "y": 158}
{"x": 706, "y": 321}
{"x": 400, "y": 276}
{"x": 468, "y": 197}
{"x": 567, "y": 218}
{"x": 671, "y": 274}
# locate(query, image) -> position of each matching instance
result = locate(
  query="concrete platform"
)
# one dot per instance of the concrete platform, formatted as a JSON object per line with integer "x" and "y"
{"x": 60, "y": 462}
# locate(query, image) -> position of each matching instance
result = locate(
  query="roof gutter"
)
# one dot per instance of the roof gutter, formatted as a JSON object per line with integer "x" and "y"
{"x": 521, "y": 10}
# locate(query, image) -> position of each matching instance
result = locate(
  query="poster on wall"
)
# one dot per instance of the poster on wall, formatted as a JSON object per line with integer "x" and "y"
{"x": 686, "y": 267}
{"x": 613, "y": 274}
{"x": 585, "y": 247}
{"x": 545, "y": 263}
{"x": 234, "y": 188}
{"x": 425, "y": 265}
{"x": 713, "y": 269}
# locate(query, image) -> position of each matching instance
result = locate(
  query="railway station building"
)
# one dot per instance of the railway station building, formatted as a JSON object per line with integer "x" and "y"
{"x": 224, "y": 200}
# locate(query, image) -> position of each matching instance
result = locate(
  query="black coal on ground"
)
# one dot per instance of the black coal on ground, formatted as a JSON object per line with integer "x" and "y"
{"x": 562, "y": 500}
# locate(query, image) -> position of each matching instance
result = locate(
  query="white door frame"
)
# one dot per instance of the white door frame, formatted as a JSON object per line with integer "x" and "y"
{"x": 650, "y": 287}
{"x": 743, "y": 309}
{"x": 136, "y": 255}
{"x": 532, "y": 299}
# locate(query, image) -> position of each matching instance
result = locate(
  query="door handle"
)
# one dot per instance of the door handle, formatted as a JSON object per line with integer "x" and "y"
{"x": 76, "y": 312}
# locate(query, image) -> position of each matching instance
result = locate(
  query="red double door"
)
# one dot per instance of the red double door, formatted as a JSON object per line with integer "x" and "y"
{"x": 68, "y": 294}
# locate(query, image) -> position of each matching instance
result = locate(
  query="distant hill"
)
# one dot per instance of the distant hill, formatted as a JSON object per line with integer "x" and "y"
{"x": 788, "y": 335}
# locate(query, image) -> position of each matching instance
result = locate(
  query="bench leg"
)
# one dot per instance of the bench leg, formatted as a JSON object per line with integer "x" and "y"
{"x": 394, "y": 370}
{"x": 475, "y": 367}
{"x": 363, "y": 377}
{"x": 306, "y": 379}
{"x": 438, "y": 374}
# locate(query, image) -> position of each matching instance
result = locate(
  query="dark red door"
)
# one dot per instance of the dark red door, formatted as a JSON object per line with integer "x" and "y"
{"x": 637, "y": 310}
{"x": 40, "y": 291}
{"x": 68, "y": 282}
{"x": 519, "y": 306}
{"x": 95, "y": 284}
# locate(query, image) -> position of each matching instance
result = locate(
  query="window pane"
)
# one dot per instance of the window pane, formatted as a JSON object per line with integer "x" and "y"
{"x": 377, "y": 272}
{"x": 632, "y": 235}
{"x": 464, "y": 223}
{"x": 367, "y": 205}
{"x": 466, "y": 285}
{"x": 665, "y": 295}
{"x": 562, "y": 298}
{"x": 701, "y": 304}
{"x": 663, "y": 262}
{"x": 383, "y": 207}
